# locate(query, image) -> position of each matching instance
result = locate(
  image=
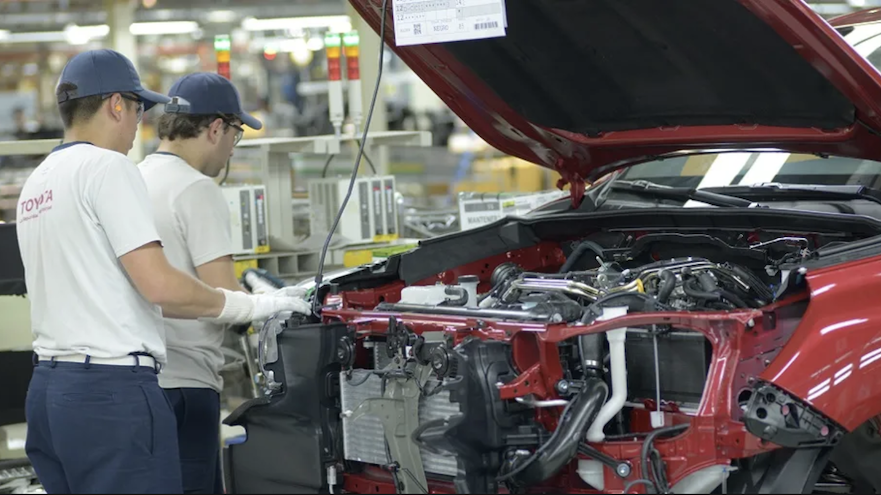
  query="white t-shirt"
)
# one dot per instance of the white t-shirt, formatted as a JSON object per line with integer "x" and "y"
{"x": 79, "y": 211}
{"x": 193, "y": 220}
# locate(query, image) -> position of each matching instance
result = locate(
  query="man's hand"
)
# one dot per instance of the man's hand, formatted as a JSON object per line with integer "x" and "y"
{"x": 283, "y": 292}
{"x": 245, "y": 308}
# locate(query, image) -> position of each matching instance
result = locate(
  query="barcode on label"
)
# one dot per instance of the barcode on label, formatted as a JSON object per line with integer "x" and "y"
{"x": 417, "y": 28}
{"x": 486, "y": 25}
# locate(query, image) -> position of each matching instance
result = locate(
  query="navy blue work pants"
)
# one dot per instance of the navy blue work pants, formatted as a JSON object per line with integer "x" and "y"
{"x": 101, "y": 429}
{"x": 198, "y": 434}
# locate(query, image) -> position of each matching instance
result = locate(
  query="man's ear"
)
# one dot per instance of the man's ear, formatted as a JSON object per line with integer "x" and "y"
{"x": 215, "y": 130}
{"x": 115, "y": 106}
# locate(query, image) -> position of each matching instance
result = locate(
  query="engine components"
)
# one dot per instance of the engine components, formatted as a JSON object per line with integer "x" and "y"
{"x": 774, "y": 416}
{"x": 618, "y": 362}
{"x": 563, "y": 444}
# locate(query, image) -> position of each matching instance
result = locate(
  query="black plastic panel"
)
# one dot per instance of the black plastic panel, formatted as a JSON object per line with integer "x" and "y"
{"x": 291, "y": 436}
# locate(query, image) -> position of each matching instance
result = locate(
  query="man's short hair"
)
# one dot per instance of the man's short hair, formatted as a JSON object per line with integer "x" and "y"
{"x": 174, "y": 126}
{"x": 79, "y": 110}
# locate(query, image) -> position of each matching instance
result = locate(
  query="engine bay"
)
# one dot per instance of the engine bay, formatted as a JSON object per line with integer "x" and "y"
{"x": 579, "y": 364}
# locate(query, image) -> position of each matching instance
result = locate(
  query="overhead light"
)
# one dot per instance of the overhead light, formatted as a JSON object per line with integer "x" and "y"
{"x": 35, "y": 37}
{"x": 315, "y": 44}
{"x": 221, "y": 16}
{"x": 3, "y": 34}
{"x": 80, "y": 35}
{"x": 335, "y": 23}
{"x": 158, "y": 28}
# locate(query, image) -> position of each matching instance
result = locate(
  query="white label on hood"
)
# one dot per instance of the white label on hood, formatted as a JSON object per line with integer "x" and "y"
{"x": 419, "y": 22}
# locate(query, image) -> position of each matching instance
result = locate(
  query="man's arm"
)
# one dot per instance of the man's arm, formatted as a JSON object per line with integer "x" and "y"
{"x": 120, "y": 201}
{"x": 178, "y": 294}
{"x": 220, "y": 273}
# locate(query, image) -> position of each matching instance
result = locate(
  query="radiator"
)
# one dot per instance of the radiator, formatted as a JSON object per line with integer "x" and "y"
{"x": 364, "y": 439}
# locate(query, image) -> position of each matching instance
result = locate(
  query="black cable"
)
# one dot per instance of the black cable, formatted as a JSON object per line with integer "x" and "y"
{"x": 647, "y": 447}
{"x": 629, "y": 486}
{"x": 319, "y": 277}
{"x": 369, "y": 161}
{"x": 326, "y": 165}
{"x": 525, "y": 464}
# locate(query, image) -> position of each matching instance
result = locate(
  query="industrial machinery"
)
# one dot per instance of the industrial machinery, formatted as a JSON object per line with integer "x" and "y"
{"x": 247, "y": 209}
{"x": 370, "y": 216}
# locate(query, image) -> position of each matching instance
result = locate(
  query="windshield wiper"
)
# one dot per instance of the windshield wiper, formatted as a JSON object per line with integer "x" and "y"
{"x": 645, "y": 187}
{"x": 772, "y": 190}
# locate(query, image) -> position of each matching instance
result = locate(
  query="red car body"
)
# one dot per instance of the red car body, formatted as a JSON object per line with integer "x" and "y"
{"x": 816, "y": 348}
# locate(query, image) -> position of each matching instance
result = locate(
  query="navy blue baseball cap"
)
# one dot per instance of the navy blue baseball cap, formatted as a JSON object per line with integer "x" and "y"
{"x": 207, "y": 93}
{"x": 102, "y": 72}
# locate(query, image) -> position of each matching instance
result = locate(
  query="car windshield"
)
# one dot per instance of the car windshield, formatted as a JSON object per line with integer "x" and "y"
{"x": 737, "y": 168}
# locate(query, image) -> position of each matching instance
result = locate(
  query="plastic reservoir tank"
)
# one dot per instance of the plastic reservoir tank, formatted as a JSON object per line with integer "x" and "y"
{"x": 432, "y": 295}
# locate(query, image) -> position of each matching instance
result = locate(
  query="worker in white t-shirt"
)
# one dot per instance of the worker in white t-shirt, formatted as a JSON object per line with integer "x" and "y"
{"x": 99, "y": 285}
{"x": 197, "y": 135}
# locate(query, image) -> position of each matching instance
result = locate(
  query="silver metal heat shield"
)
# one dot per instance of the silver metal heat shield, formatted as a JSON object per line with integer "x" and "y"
{"x": 364, "y": 439}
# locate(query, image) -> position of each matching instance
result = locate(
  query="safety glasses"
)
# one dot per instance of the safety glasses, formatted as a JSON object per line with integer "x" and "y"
{"x": 230, "y": 123}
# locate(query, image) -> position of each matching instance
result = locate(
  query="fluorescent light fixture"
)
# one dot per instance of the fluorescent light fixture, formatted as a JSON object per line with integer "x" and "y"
{"x": 221, "y": 16}
{"x": 80, "y": 35}
{"x": 3, "y": 34}
{"x": 36, "y": 37}
{"x": 336, "y": 23}
{"x": 158, "y": 28}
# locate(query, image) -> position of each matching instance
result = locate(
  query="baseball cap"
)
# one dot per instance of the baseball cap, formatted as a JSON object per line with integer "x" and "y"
{"x": 102, "y": 72}
{"x": 206, "y": 93}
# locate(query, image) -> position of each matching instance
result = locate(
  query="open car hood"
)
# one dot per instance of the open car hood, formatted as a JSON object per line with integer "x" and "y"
{"x": 589, "y": 86}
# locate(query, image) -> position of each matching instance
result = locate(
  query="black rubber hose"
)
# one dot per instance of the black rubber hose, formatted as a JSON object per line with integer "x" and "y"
{"x": 461, "y": 296}
{"x": 689, "y": 286}
{"x": 668, "y": 283}
{"x": 579, "y": 251}
{"x": 708, "y": 283}
{"x": 563, "y": 444}
{"x": 753, "y": 281}
{"x": 647, "y": 447}
{"x": 633, "y": 300}
{"x": 590, "y": 348}
{"x": 733, "y": 298}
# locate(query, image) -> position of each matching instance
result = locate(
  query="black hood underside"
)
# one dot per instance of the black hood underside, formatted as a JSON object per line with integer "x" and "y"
{"x": 594, "y": 66}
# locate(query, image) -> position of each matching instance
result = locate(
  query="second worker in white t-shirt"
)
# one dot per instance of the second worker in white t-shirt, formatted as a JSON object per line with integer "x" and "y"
{"x": 198, "y": 132}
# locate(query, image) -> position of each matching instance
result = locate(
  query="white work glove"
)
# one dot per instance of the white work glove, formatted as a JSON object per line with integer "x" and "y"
{"x": 242, "y": 308}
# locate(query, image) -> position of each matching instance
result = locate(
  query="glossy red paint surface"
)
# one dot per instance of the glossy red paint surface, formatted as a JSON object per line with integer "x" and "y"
{"x": 578, "y": 157}
{"x": 854, "y": 18}
{"x": 833, "y": 360}
{"x": 715, "y": 437}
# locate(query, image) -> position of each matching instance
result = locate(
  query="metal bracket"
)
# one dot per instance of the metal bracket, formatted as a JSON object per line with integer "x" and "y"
{"x": 529, "y": 382}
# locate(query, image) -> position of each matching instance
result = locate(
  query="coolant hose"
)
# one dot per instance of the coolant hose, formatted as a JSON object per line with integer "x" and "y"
{"x": 689, "y": 286}
{"x": 460, "y": 296}
{"x": 668, "y": 283}
{"x": 618, "y": 363}
{"x": 563, "y": 445}
{"x": 579, "y": 251}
